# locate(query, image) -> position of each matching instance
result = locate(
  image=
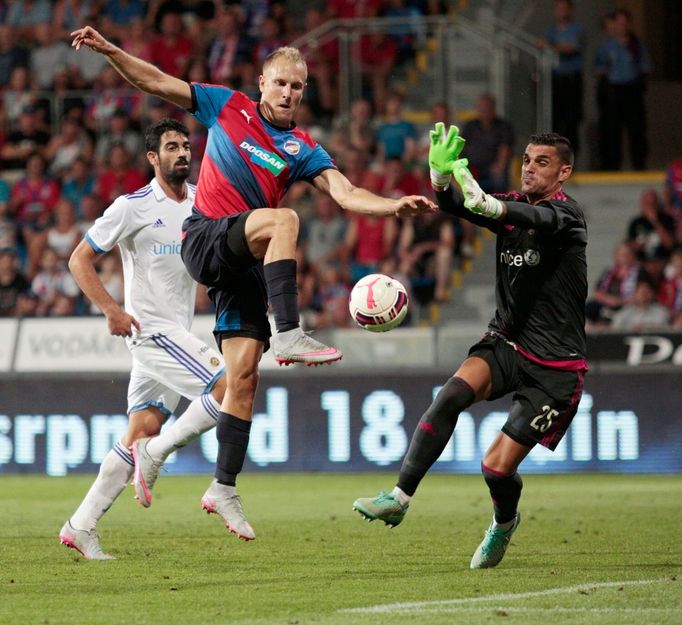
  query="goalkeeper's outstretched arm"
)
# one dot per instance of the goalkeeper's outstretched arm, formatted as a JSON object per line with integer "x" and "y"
{"x": 451, "y": 201}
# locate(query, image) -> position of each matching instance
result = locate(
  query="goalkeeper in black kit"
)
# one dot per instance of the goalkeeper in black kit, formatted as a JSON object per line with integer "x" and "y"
{"x": 534, "y": 345}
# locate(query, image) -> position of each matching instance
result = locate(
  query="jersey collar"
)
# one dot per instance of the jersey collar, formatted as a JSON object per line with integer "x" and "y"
{"x": 160, "y": 194}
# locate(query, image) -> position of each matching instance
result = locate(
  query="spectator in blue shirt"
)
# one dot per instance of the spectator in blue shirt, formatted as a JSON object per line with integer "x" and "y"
{"x": 24, "y": 16}
{"x": 396, "y": 137}
{"x": 122, "y": 12}
{"x": 624, "y": 62}
{"x": 565, "y": 37}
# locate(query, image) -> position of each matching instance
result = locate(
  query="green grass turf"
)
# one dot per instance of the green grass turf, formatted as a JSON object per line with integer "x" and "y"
{"x": 583, "y": 538}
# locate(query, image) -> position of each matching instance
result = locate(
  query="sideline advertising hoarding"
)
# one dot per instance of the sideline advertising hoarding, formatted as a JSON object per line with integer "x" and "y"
{"x": 627, "y": 422}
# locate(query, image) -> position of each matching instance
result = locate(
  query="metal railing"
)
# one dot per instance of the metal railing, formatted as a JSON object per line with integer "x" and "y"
{"x": 463, "y": 59}
{"x": 57, "y": 105}
{"x": 457, "y": 59}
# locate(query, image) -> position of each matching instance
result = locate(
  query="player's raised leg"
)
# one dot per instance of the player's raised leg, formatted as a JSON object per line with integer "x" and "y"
{"x": 271, "y": 234}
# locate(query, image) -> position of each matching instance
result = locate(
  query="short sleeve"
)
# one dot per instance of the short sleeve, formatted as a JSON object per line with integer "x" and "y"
{"x": 208, "y": 101}
{"x": 116, "y": 224}
{"x": 318, "y": 160}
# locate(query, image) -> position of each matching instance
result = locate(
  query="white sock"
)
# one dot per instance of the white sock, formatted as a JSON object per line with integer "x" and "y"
{"x": 221, "y": 490}
{"x": 286, "y": 337}
{"x": 402, "y": 497}
{"x": 201, "y": 415}
{"x": 505, "y": 526}
{"x": 114, "y": 473}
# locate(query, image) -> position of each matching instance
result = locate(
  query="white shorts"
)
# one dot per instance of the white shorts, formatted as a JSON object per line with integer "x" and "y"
{"x": 169, "y": 365}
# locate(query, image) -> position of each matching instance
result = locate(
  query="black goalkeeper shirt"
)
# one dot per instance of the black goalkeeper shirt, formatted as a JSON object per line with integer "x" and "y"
{"x": 541, "y": 275}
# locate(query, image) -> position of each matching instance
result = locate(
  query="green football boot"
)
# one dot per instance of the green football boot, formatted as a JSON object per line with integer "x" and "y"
{"x": 493, "y": 546}
{"x": 384, "y": 507}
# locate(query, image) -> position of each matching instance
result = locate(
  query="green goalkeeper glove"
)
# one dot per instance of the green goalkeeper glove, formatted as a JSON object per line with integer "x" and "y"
{"x": 474, "y": 198}
{"x": 443, "y": 152}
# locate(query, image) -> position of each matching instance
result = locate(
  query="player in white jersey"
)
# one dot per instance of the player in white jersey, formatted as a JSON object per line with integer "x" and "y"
{"x": 168, "y": 361}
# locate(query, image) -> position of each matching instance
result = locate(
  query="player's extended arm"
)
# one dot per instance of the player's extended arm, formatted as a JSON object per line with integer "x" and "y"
{"x": 474, "y": 198}
{"x": 519, "y": 214}
{"x": 82, "y": 268}
{"x": 359, "y": 200}
{"x": 139, "y": 73}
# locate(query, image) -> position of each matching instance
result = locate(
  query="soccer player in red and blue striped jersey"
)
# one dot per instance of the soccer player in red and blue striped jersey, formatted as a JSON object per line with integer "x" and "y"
{"x": 238, "y": 241}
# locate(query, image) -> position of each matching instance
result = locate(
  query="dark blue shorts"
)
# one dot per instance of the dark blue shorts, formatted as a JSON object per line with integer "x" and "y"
{"x": 545, "y": 399}
{"x": 216, "y": 255}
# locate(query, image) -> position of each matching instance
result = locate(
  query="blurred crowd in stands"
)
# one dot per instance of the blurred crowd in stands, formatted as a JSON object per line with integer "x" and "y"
{"x": 71, "y": 141}
{"x": 642, "y": 288}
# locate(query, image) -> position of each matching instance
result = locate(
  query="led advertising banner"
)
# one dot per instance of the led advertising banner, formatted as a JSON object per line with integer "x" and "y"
{"x": 627, "y": 422}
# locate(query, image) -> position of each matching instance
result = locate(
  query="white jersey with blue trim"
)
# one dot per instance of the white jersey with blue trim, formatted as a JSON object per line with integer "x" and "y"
{"x": 147, "y": 227}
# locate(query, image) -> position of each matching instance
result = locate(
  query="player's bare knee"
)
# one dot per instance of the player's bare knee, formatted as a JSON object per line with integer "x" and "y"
{"x": 244, "y": 383}
{"x": 287, "y": 222}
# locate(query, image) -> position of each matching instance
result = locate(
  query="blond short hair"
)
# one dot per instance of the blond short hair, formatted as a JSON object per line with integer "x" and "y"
{"x": 293, "y": 55}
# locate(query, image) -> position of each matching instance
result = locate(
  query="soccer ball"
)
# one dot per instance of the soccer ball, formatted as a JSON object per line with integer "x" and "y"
{"x": 378, "y": 303}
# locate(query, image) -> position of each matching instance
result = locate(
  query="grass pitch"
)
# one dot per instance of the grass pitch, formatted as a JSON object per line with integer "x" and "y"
{"x": 597, "y": 549}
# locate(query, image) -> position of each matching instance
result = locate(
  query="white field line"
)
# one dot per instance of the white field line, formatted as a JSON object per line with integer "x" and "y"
{"x": 553, "y": 610}
{"x": 418, "y": 606}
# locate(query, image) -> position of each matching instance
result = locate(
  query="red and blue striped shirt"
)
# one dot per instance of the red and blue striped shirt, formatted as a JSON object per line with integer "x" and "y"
{"x": 248, "y": 163}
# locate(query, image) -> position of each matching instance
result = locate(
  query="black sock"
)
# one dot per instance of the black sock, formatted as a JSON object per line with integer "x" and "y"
{"x": 280, "y": 278}
{"x": 233, "y": 439}
{"x": 433, "y": 432}
{"x": 505, "y": 491}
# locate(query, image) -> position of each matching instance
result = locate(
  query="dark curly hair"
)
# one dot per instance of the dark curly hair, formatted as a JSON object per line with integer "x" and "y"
{"x": 152, "y": 137}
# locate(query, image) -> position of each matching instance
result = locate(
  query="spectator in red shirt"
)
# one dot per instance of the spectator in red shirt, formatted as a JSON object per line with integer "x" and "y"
{"x": 369, "y": 242}
{"x": 378, "y": 57}
{"x": 344, "y": 9}
{"x": 119, "y": 178}
{"x": 32, "y": 202}
{"x": 397, "y": 181}
{"x": 137, "y": 40}
{"x": 172, "y": 49}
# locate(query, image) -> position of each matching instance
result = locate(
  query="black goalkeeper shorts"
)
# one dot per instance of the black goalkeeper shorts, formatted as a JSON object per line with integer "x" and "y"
{"x": 545, "y": 400}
